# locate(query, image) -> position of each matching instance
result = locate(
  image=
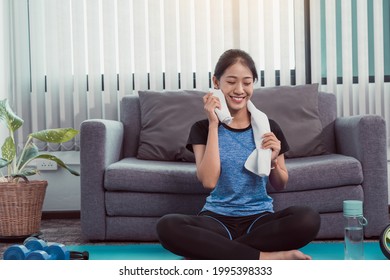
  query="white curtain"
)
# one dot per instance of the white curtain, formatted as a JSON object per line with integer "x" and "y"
{"x": 74, "y": 60}
{"x": 361, "y": 96}
{"x": 5, "y": 63}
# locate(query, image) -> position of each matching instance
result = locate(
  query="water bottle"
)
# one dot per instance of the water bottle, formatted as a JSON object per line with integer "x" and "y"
{"x": 353, "y": 231}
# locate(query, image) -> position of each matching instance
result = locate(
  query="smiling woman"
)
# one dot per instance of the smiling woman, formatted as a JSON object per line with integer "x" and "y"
{"x": 238, "y": 220}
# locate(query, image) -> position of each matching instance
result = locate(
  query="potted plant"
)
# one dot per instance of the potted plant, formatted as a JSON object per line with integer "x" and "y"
{"x": 21, "y": 200}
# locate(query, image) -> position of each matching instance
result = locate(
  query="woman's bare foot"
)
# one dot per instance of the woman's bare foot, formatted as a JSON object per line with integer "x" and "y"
{"x": 284, "y": 255}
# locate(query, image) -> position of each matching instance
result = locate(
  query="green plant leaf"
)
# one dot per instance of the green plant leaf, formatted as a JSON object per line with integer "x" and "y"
{"x": 30, "y": 152}
{"x": 8, "y": 115}
{"x": 26, "y": 172}
{"x": 2, "y": 110}
{"x": 8, "y": 150}
{"x": 59, "y": 162}
{"x": 4, "y": 162}
{"x": 56, "y": 135}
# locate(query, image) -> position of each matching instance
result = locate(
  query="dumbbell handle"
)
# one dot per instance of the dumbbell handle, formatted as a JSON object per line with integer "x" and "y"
{"x": 75, "y": 255}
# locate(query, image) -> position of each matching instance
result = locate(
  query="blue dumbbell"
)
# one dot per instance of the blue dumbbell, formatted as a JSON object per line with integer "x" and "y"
{"x": 40, "y": 250}
{"x": 20, "y": 252}
{"x": 53, "y": 252}
{"x": 16, "y": 252}
{"x": 33, "y": 244}
{"x": 37, "y": 249}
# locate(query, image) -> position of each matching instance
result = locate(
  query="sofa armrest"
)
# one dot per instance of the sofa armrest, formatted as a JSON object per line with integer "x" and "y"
{"x": 364, "y": 138}
{"x": 100, "y": 145}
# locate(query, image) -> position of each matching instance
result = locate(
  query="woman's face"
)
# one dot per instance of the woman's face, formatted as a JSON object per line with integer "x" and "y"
{"x": 237, "y": 85}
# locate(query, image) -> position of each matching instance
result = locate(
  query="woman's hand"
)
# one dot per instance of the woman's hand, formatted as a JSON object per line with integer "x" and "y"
{"x": 271, "y": 142}
{"x": 279, "y": 175}
{"x": 210, "y": 103}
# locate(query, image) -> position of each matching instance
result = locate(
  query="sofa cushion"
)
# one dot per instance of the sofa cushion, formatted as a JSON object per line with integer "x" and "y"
{"x": 153, "y": 177}
{"x": 327, "y": 200}
{"x": 165, "y": 114}
{"x": 131, "y": 228}
{"x": 152, "y": 204}
{"x": 309, "y": 173}
{"x": 319, "y": 172}
{"x": 166, "y": 120}
{"x": 327, "y": 109}
{"x": 295, "y": 109}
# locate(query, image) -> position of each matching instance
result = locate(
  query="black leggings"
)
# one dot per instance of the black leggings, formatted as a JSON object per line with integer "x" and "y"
{"x": 213, "y": 236}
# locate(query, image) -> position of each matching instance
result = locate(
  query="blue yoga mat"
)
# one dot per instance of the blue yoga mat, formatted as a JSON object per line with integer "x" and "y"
{"x": 126, "y": 252}
{"x": 317, "y": 250}
{"x": 335, "y": 251}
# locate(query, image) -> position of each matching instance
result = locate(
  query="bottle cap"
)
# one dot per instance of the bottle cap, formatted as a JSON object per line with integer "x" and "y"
{"x": 353, "y": 208}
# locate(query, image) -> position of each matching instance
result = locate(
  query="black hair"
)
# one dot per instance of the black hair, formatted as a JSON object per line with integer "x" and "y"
{"x": 232, "y": 56}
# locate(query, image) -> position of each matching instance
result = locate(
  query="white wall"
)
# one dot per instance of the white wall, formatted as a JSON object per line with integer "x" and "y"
{"x": 63, "y": 190}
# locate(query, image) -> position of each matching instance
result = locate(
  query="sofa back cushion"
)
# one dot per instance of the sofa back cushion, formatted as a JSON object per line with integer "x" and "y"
{"x": 130, "y": 116}
{"x": 327, "y": 109}
{"x": 295, "y": 109}
{"x": 166, "y": 120}
{"x": 177, "y": 122}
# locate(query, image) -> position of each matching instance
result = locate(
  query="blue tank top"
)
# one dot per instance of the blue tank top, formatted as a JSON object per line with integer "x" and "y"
{"x": 238, "y": 192}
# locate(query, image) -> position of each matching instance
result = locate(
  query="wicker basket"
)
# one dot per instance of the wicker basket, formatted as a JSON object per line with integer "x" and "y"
{"x": 21, "y": 208}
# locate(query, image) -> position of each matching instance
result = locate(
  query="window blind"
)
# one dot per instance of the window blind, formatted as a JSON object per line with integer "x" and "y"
{"x": 75, "y": 59}
{"x": 72, "y": 60}
{"x": 356, "y": 75}
{"x": 5, "y": 62}
{"x": 360, "y": 88}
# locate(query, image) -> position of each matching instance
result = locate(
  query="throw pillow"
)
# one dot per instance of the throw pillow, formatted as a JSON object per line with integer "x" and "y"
{"x": 295, "y": 109}
{"x": 166, "y": 120}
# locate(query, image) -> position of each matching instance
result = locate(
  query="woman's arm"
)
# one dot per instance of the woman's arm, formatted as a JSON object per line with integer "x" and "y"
{"x": 279, "y": 175}
{"x": 207, "y": 159}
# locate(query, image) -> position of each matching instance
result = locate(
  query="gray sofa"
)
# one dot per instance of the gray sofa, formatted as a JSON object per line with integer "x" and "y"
{"x": 123, "y": 194}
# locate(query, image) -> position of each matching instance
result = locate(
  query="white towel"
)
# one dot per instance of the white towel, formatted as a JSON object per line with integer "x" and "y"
{"x": 223, "y": 114}
{"x": 259, "y": 161}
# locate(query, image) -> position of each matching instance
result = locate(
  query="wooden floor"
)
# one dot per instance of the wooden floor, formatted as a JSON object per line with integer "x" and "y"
{"x": 64, "y": 231}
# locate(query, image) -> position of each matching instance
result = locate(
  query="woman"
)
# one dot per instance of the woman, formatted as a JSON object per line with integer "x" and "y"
{"x": 237, "y": 220}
